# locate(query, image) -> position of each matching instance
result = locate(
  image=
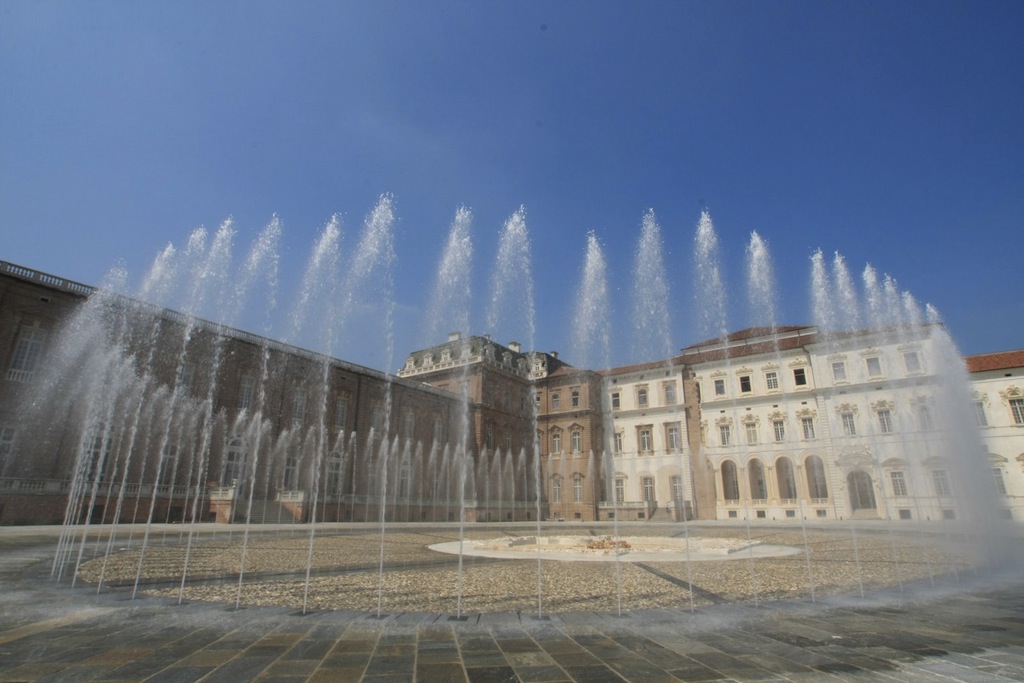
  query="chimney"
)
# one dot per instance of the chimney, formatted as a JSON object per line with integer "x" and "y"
{"x": 514, "y": 345}
{"x": 454, "y": 336}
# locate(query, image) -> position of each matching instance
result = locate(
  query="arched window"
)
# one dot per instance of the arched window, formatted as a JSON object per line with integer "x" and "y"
{"x": 816, "y": 477}
{"x": 787, "y": 482}
{"x": 758, "y": 490}
{"x": 862, "y": 492}
{"x": 730, "y": 482}
{"x": 556, "y": 490}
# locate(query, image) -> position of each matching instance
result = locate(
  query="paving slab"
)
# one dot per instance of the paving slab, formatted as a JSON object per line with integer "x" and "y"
{"x": 50, "y": 631}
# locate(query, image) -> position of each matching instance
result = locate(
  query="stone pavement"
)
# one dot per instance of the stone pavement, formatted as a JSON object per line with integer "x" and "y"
{"x": 972, "y": 631}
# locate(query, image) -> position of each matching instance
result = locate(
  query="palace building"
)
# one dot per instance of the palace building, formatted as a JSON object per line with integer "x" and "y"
{"x": 112, "y": 409}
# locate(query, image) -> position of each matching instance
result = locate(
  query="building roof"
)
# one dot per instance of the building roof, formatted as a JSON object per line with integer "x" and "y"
{"x": 1002, "y": 360}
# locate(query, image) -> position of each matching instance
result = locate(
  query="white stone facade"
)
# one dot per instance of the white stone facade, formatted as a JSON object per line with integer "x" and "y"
{"x": 650, "y": 456}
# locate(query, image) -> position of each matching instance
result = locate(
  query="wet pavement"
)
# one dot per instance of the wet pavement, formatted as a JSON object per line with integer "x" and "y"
{"x": 970, "y": 629}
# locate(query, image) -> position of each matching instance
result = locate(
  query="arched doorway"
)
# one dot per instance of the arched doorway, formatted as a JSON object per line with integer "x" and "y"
{"x": 862, "y": 491}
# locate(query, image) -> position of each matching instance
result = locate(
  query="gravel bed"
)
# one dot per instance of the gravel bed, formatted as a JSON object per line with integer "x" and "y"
{"x": 344, "y": 572}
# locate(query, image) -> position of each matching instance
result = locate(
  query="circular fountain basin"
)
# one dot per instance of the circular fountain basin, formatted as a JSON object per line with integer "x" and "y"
{"x": 609, "y": 549}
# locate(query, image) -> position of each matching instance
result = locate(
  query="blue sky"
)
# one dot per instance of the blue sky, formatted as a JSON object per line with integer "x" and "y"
{"x": 888, "y": 131}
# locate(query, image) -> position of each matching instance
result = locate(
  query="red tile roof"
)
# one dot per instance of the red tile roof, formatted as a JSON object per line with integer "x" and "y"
{"x": 1002, "y": 360}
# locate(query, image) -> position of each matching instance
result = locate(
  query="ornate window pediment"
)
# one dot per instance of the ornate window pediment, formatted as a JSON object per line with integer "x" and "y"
{"x": 724, "y": 420}
{"x": 995, "y": 459}
{"x": 749, "y": 419}
{"x": 806, "y": 412}
{"x": 847, "y": 409}
{"x": 1012, "y": 391}
{"x": 776, "y": 415}
{"x": 884, "y": 404}
{"x": 858, "y": 457}
{"x": 743, "y": 371}
{"x": 895, "y": 464}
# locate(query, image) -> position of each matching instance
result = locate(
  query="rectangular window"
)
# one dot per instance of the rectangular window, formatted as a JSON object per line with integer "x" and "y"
{"x": 641, "y": 397}
{"x": 745, "y": 384}
{"x": 885, "y": 421}
{"x": 997, "y": 475}
{"x": 771, "y": 380}
{"x": 648, "y": 487}
{"x": 979, "y": 414}
{"x": 779, "y": 430}
{"x": 341, "y": 411}
{"x": 645, "y": 440}
{"x": 808, "y": 426}
{"x": 6, "y": 445}
{"x": 874, "y": 366}
{"x": 751, "y": 431}
{"x": 719, "y": 387}
{"x": 408, "y": 423}
{"x": 555, "y": 401}
{"x": 1017, "y": 409}
{"x": 800, "y": 377}
{"x": 185, "y": 377}
{"x": 574, "y": 398}
{"x": 27, "y": 353}
{"x": 724, "y": 434}
{"x": 620, "y": 490}
{"x": 577, "y": 441}
{"x": 556, "y": 491}
{"x": 941, "y": 480}
{"x": 899, "y": 483}
{"x": 618, "y": 442}
{"x": 673, "y": 437}
{"x": 670, "y": 394}
{"x": 912, "y": 361}
{"x": 577, "y": 489}
{"x": 924, "y": 417}
{"x": 291, "y": 474}
{"x": 556, "y": 443}
{"x": 404, "y": 481}
{"x": 616, "y": 403}
{"x": 299, "y": 407}
{"x": 332, "y": 486}
{"x": 377, "y": 417}
{"x": 839, "y": 371}
{"x": 849, "y": 426}
{"x": 677, "y": 490}
{"x": 246, "y": 389}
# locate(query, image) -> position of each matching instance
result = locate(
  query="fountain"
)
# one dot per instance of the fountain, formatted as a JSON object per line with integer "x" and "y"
{"x": 209, "y": 463}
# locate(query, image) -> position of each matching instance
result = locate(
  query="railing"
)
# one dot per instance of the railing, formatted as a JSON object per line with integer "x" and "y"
{"x": 625, "y": 505}
{"x": 61, "y": 486}
{"x": 20, "y": 375}
{"x": 45, "y": 278}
